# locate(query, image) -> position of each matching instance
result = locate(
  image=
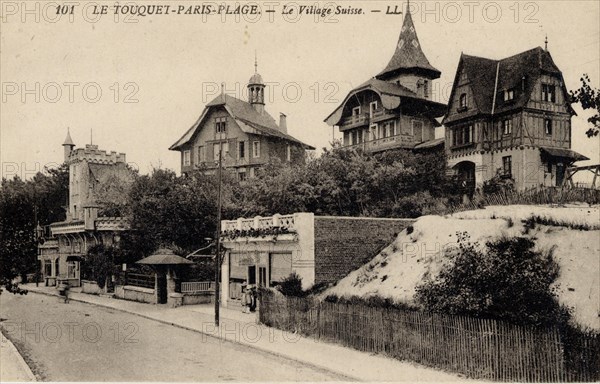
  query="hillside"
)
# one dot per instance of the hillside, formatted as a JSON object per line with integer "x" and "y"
{"x": 399, "y": 268}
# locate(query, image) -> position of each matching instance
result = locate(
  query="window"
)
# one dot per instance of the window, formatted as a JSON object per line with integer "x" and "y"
{"x": 224, "y": 149}
{"x": 549, "y": 93}
{"x": 256, "y": 149}
{"x": 462, "y": 135}
{"x": 289, "y": 153}
{"x": 201, "y": 154}
{"x": 373, "y": 128}
{"x": 221, "y": 125}
{"x": 462, "y": 102}
{"x": 507, "y": 127}
{"x": 71, "y": 270}
{"x": 186, "y": 158}
{"x": 242, "y": 176}
{"x": 242, "y": 149}
{"x": 356, "y": 111}
{"x": 372, "y": 108}
{"x": 548, "y": 127}
{"x": 549, "y": 167}
{"x": 509, "y": 94}
{"x": 507, "y": 165}
{"x": 426, "y": 88}
{"x": 47, "y": 268}
{"x": 390, "y": 128}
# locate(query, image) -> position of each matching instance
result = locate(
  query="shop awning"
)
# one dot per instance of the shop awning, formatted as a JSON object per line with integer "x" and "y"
{"x": 564, "y": 153}
{"x": 74, "y": 258}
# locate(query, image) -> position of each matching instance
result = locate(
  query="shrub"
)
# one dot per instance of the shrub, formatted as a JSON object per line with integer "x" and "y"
{"x": 292, "y": 286}
{"x": 509, "y": 281}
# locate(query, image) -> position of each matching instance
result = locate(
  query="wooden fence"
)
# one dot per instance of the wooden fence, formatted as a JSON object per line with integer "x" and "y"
{"x": 534, "y": 196}
{"x": 140, "y": 280}
{"x": 478, "y": 348}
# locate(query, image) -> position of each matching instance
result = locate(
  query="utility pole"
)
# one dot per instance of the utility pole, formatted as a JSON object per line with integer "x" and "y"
{"x": 220, "y": 126}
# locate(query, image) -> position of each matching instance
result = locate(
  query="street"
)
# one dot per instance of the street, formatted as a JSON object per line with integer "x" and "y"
{"x": 82, "y": 342}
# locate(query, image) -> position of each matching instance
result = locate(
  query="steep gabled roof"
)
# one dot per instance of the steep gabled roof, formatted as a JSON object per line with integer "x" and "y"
{"x": 249, "y": 120}
{"x": 408, "y": 57}
{"x": 519, "y": 73}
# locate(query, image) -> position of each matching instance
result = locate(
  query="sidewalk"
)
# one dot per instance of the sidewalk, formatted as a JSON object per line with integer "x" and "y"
{"x": 241, "y": 328}
{"x": 14, "y": 368}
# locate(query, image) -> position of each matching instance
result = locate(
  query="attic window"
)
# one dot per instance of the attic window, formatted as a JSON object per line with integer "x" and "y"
{"x": 509, "y": 94}
{"x": 462, "y": 102}
{"x": 549, "y": 93}
{"x": 221, "y": 125}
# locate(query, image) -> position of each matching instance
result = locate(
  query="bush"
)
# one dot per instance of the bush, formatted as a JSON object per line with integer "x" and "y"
{"x": 292, "y": 286}
{"x": 509, "y": 281}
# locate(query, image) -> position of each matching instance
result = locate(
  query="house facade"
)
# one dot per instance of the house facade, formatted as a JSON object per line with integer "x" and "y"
{"x": 510, "y": 118}
{"x": 246, "y": 133}
{"x": 64, "y": 245}
{"x": 320, "y": 249}
{"x": 394, "y": 109}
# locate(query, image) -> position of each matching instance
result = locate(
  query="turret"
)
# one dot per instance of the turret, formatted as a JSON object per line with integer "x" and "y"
{"x": 256, "y": 90}
{"x": 68, "y": 146}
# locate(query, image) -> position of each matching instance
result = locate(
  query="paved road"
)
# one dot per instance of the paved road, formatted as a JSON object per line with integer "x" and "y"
{"x": 82, "y": 342}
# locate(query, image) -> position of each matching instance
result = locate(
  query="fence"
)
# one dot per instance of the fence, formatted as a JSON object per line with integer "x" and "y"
{"x": 478, "y": 348}
{"x": 196, "y": 286}
{"x": 534, "y": 196}
{"x": 140, "y": 280}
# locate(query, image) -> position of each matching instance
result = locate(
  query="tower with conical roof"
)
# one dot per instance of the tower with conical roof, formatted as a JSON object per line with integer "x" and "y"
{"x": 409, "y": 66}
{"x": 68, "y": 145}
{"x": 256, "y": 90}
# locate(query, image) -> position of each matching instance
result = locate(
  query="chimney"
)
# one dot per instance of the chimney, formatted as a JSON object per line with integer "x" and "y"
{"x": 282, "y": 122}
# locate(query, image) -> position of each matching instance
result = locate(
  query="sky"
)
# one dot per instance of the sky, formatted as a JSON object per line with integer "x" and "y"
{"x": 135, "y": 84}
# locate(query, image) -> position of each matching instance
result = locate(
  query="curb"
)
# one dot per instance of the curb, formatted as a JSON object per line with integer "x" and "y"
{"x": 22, "y": 363}
{"x": 344, "y": 376}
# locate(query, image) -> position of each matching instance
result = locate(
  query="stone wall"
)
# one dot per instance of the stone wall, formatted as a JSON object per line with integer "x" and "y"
{"x": 142, "y": 295}
{"x": 342, "y": 244}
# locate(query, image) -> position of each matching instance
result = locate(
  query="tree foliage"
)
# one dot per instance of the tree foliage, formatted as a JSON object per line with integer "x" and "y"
{"x": 509, "y": 280}
{"x": 589, "y": 98}
{"x": 44, "y": 197}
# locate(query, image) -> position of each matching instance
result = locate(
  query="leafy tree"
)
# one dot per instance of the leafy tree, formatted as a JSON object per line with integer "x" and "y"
{"x": 21, "y": 201}
{"x": 589, "y": 98}
{"x": 99, "y": 263}
{"x": 508, "y": 281}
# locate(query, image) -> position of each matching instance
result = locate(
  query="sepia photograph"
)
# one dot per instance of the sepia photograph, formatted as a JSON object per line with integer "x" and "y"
{"x": 300, "y": 191}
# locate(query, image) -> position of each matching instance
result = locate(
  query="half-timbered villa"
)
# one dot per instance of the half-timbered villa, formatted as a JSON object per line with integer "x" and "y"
{"x": 246, "y": 133}
{"x": 510, "y": 118}
{"x": 394, "y": 109}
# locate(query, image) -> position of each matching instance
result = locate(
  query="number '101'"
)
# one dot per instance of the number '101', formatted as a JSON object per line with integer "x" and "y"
{"x": 65, "y": 9}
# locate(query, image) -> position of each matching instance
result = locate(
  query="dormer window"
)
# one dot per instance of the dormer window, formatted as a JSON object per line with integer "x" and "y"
{"x": 509, "y": 94}
{"x": 221, "y": 125}
{"x": 549, "y": 93}
{"x": 356, "y": 111}
{"x": 462, "y": 102}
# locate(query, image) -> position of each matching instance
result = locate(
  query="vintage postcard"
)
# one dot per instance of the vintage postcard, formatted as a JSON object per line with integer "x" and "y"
{"x": 306, "y": 191}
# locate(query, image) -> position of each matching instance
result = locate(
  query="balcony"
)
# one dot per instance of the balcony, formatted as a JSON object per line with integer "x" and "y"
{"x": 398, "y": 141}
{"x": 354, "y": 121}
{"x": 282, "y": 227}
